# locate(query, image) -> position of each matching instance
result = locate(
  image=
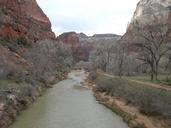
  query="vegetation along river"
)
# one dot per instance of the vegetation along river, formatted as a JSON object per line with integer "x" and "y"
{"x": 68, "y": 105}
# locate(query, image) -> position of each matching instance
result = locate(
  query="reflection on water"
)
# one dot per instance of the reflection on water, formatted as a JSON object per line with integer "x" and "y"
{"x": 68, "y": 105}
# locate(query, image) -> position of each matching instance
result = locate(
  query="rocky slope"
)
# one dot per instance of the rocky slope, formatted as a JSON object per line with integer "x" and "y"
{"x": 24, "y": 18}
{"x": 22, "y": 23}
{"x": 149, "y": 13}
{"x": 11, "y": 63}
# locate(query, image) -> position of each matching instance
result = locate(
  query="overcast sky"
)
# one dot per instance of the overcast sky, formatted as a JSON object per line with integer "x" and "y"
{"x": 89, "y": 16}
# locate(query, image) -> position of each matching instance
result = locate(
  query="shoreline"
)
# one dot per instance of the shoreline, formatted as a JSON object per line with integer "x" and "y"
{"x": 12, "y": 104}
{"x": 128, "y": 118}
{"x": 128, "y": 112}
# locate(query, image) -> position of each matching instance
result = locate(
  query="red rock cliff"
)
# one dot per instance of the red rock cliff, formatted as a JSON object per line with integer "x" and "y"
{"x": 24, "y": 18}
{"x": 70, "y": 38}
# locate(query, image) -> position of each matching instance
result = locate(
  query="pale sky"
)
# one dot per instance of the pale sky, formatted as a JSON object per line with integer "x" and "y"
{"x": 89, "y": 16}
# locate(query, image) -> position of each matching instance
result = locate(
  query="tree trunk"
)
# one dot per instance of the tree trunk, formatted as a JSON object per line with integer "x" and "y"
{"x": 152, "y": 76}
{"x": 156, "y": 76}
{"x": 152, "y": 71}
{"x": 156, "y": 72}
{"x": 104, "y": 67}
{"x": 121, "y": 67}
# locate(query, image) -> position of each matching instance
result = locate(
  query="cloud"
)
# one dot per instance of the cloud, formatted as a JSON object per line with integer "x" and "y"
{"x": 89, "y": 16}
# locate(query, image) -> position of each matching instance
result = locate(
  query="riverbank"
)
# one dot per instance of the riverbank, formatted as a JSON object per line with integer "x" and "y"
{"x": 68, "y": 105}
{"x": 129, "y": 113}
{"x": 16, "y": 97}
{"x": 110, "y": 102}
{"x": 123, "y": 98}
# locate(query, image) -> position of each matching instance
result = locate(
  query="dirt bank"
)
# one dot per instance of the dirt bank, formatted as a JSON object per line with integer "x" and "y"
{"x": 129, "y": 113}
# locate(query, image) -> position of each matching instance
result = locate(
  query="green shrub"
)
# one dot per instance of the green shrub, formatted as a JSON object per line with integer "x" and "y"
{"x": 104, "y": 84}
{"x": 22, "y": 41}
{"x": 4, "y": 41}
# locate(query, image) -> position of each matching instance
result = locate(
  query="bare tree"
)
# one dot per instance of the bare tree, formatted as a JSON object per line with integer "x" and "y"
{"x": 153, "y": 46}
{"x": 114, "y": 59}
{"x": 48, "y": 58}
{"x": 168, "y": 67}
{"x": 101, "y": 56}
{"x": 120, "y": 59}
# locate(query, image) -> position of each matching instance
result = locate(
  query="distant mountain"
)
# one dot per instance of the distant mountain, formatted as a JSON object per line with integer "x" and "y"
{"x": 69, "y": 38}
{"x": 100, "y": 38}
{"x": 82, "y": 44}
{"x": 82, "y": 35}
{"x": 105, "y": 35}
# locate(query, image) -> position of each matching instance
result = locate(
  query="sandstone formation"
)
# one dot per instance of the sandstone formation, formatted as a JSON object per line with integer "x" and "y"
{"x": 82, "y": 45}
{"x": 69, "y": 38}
{"x": 23, "y": 18}
{"x": 21, "y": 21}
{"x": 80, "y": 38}
{"x": 149, "y": 13}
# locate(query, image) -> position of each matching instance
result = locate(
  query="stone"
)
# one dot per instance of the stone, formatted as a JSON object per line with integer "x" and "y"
{"x": 24, "y": 18}
{"x": 149, "y": 13}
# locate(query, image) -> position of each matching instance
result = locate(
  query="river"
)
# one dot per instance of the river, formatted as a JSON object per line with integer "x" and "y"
{"x": 68, "y": 105}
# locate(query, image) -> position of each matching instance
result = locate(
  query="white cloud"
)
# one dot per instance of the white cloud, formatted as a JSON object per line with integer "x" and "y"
{"x": 89, "y": 16}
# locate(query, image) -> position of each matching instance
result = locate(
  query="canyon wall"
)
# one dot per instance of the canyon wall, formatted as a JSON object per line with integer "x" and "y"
{"x": 24, "y": 18}
{"x": 149, "y": 13}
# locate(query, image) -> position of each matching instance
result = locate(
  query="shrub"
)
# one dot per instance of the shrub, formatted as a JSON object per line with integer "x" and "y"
{"x": 22, "y": 41}
{"x": 4, "y": 41}
{"x": 104, "y": 84}
{"x": 93, "y": 75}
{"x": 151, "y": 101}
{"x": 48, "y": 58}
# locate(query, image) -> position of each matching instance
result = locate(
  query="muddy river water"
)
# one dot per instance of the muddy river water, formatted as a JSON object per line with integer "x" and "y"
{"x": 68, "y": 105}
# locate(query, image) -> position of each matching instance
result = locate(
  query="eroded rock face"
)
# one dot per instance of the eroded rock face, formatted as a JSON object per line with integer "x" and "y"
{"x": 20, "y": 18}
{"x": 70, "y": 38}
{"x": 152, "y": 12}
{"x": 149, "y": 13}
